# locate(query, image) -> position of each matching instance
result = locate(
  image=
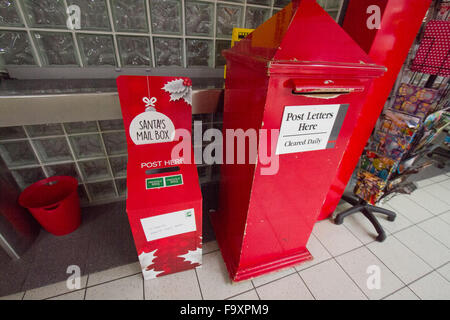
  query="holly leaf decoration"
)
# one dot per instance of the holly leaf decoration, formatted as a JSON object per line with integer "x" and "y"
{"x": 175, "y": 86}
{"x": 179, "y": 89}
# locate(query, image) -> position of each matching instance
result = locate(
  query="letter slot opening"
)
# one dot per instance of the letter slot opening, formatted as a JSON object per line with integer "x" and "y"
{"x": 324, "y": 89}
{"x": 162, "y": 170}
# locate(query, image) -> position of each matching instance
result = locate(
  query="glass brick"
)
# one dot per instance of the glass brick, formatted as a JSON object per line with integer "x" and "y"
{"x": 56, "y": 48}
{"x": 8, "y": 14}
{"x": 119, "y": 166}
{"x": 101, "y": 190}
{"x": 94, "y": 14}
{"x": 333, "y": 4}
{"x": 333, "y": 13}
{"x": 121, "y": 186}
{"x": 87, "y": 146}
{"x": 168, "y": 52}
{"x": 199, "y": 18}
{"x": 199, "y": 52}
{"x": 26, "y": 177}
{"x": 260, "y": 2}
{"x": 66, "y": 169}
{"x": 166, "y": 16}
{"x": 44, "y": 130}
{"x": 106, "y": 125}
{"x": 220, "y": 46}
{"x": 130, "y": 15}
{"x": 46, "y": 13}
{"x": 228, "y": 17}
{"x": 17, "y": 153}
{"x": 94, "y": 169}
{"x": 82, "y": 194}
{"x": 97, "y": 50}
{"x": 81, "y": 127}
{"x": 16, "y": 132}
{"x": 134, "y": 51}
{"x": 15, "y": 48}
{"x": 115, "y": 142}
{"x": 254, "y": 17}
{"x": 281, "y": 3}
{"x": 53, "y": 149}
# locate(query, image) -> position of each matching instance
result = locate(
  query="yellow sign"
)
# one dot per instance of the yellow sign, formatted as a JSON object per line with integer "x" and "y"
{"x": 238, "y": 35}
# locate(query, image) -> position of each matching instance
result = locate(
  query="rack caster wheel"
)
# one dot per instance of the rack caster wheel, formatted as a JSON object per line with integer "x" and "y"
{"x": 381, "y": 237}
{"x": 391, "y": 219}
{"x": 338, "y": 220}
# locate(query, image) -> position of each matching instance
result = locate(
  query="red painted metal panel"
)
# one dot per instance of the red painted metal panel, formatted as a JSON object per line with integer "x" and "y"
{"x": 400, "y": 23}
{"x": 264, "y": 221}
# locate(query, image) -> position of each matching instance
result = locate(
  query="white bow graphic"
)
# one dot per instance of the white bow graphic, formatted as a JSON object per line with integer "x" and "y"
{"x": 149, "y": 103}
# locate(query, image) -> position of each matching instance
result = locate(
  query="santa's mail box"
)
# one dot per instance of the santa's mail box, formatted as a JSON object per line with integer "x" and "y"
{"x": 300, "y": 81}
{"x": 164, "y": 203}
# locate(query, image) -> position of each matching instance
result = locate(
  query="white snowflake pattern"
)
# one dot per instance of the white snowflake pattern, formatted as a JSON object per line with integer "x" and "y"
{"x": 193, "y": 256}
{"x": 146, "y": 259}
{"x": 150, "y": 274}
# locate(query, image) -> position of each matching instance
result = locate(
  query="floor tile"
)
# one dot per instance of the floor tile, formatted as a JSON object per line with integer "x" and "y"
{"x": 16, "y": 296}
{"x": 259, "y": 281}
{"x": 403, "y": 294}
{"x": 288, "y": 288}
{"x": 432, "y": 287}
{"x": 445, "y": 271}
{"x": 399, "y": 259}
{"x": 445, "y": 184}
{"x": 421, "y": 243}
{"x": 177, "y": 286}
{"x": 214, "y": 280}
{"x": 318, "y": 252}
{"x": 408, "y": 208}
{"x": 439, "y": 192}
{"x": 356, "y": 264}
{"x": 337, "y": 239}
{"x": 429, "y": 201}
{"x": 77, "y": 295}
{"x": 361, "y": 227}
{"x": 130, "y": 288}
{"x": 249, "y": 295}
{"x": 51, "y": 290}
{"x": 327, "y": 281}
{"x": 438, "y": 229}
{"x": 424, "y": 182}
{"x": 114, "y": 273}
{"x": 210, "y": 247}
{"x": 400, "y": 222}
{"x": 439, "y": 178}
{"x": 445, "y": 216}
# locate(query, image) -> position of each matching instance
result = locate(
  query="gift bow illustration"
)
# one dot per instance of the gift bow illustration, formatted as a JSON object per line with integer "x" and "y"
{"x": 149, "y": 103}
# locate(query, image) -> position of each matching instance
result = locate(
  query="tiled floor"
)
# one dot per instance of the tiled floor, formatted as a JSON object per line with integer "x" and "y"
{"x": 413, "y": 263}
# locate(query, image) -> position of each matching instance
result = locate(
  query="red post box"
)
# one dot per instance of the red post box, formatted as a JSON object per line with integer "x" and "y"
{"x": 388, "y": 45}
{"x": 302, "y": 80}
{"x": 164, "y": 202}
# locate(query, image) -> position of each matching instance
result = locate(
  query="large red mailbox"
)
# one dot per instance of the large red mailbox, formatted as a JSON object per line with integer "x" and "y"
{"x": 302, "y": 81}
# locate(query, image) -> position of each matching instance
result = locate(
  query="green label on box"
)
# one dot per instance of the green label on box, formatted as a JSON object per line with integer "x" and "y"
{"x": 155, "y": 183}
{"x": 174, "y": 180}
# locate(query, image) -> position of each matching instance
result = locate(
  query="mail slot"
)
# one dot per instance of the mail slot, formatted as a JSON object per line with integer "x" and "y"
{"x": 300, "y": 81}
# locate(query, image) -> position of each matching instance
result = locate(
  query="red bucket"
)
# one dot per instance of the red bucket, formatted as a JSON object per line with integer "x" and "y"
{"x": 54, "y": 203}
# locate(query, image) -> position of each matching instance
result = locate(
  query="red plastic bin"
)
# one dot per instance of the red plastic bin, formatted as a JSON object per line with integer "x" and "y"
{"x": 54, "y": 203}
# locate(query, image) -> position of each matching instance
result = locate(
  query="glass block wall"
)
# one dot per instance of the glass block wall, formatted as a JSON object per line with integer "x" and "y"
{"x": 124, "y": 33}
{"x": 94, "y": 152}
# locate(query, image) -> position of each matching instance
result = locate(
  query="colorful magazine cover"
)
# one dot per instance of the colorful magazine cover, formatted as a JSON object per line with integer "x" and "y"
{"x": 378, "y": 165}
{"x": 389, "y": 145}
{"x": 369, "y": 187}
{"x": 415, "y": 100}
{"x": 398, "y": 123}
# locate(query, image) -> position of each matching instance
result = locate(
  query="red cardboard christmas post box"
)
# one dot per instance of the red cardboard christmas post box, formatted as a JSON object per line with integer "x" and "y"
{"x": 164, "y": 203}
{"x": 300, "y": 79}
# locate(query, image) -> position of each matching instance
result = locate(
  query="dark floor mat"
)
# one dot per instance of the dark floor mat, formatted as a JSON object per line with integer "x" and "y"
{"x": 103, "y": 241}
